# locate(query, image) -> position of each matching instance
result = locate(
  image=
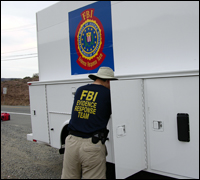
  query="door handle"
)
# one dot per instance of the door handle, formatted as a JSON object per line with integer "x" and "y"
{"x": 121, "y": 131}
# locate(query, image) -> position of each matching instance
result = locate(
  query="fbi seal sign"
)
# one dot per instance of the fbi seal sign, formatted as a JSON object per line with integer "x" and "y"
{"x": 90, "y": 46}
{"x": 89, "y": 41}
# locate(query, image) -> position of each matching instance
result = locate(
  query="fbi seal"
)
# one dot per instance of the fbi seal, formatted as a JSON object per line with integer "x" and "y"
{"x": 89, "y": 41}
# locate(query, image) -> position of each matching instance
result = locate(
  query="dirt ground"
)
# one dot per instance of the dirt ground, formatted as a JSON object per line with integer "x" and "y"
{"x": 17, "y": 92}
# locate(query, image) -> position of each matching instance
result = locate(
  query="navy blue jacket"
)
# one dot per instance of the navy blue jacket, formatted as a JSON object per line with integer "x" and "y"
{"x": 91, "y": 109}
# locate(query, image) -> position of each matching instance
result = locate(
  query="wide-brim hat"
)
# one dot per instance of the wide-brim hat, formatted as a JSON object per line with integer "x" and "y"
{"x": 103, "y": 73}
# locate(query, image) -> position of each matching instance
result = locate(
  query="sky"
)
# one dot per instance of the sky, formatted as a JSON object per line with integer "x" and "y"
{"x": 19, "y": 37}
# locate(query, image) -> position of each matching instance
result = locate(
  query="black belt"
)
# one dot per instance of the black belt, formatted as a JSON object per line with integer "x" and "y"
{"x": 81, "y": 134}
{"x": 96, "y": 136}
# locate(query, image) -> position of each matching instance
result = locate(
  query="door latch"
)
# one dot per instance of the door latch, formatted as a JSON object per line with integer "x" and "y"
{"x": 121, "y": 131}
{"x": 158, "y": 126}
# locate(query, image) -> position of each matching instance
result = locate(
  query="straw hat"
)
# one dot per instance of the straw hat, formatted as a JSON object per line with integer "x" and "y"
{"x": 103, "y": 73}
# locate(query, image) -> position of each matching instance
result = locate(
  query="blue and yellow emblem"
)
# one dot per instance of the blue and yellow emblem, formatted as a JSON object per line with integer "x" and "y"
{"x": 89, "y": 39}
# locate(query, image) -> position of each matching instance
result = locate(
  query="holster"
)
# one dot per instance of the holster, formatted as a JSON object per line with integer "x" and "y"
{"x": 100, "y": 135}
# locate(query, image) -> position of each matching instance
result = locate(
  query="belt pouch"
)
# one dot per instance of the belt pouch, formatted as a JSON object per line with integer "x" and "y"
{"x": 95, "y": 138}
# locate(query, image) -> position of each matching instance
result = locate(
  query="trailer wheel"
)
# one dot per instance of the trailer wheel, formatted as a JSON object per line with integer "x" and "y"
{"x": 64, "y": 134}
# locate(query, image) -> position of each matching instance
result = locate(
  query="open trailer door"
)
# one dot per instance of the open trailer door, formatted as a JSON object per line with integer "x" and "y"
{"x": 128, "y": 127}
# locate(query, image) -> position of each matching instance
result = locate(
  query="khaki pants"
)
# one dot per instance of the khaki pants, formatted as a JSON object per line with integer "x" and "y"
{"x": 83, "y": 159}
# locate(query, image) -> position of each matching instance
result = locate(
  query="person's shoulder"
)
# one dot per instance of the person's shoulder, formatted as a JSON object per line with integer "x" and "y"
{"x": 101, "y": 88}
{"x": 83, "y": 87}
{"x": 94, "y": 87}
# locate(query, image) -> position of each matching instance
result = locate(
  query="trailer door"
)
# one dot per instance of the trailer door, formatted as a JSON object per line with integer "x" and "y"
{"x": 39, "y": 113}
{"x": 128, "y": 127}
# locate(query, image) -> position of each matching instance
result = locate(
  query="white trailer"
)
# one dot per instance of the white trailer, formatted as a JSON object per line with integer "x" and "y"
{"x": 153, "y": 47}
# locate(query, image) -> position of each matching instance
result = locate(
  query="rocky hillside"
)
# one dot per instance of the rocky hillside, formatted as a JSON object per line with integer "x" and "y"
{"x": 17, "y": 91}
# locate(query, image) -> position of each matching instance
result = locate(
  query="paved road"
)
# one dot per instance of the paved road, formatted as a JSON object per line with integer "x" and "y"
{"x": 19, "y": 114}
{"x": 16, "y": 109}
{"x": 22, "y": 159}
